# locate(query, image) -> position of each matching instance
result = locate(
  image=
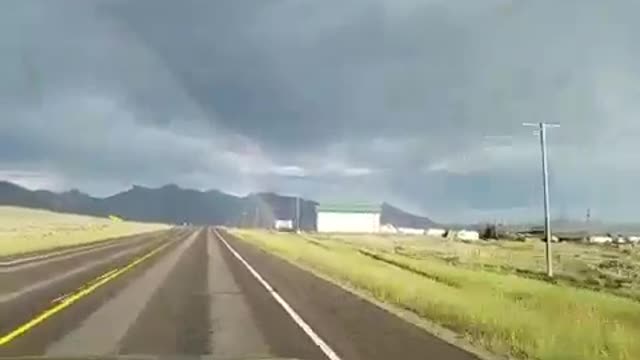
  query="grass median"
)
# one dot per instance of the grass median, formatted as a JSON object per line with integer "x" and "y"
{"x": 27, "y": 230}
{"x": 505, "y": 313}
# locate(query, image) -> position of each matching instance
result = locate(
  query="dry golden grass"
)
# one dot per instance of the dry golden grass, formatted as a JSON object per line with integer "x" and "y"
{"x": 599, "y": 267}
{"x": 28, "y": 230}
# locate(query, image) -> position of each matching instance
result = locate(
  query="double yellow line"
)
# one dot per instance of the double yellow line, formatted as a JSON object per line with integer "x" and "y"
{"x": 71, "y": 299}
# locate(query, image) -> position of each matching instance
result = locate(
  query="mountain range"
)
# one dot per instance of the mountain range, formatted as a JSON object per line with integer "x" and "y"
{"x": 175, "y": 205}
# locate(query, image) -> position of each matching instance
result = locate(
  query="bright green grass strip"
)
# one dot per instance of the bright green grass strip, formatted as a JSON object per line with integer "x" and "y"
{"x": 28, "y": 230}
{"x": 507, "y": 314}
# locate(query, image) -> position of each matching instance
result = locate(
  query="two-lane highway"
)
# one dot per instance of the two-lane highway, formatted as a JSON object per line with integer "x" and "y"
{"x": 194, "y": 291}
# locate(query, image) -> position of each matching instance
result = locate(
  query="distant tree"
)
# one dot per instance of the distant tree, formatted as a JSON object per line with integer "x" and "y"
{"x": 490, "y": 232}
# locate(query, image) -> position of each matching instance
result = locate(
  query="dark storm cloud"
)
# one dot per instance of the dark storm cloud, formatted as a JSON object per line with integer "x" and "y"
{"x": 331, "y": 99}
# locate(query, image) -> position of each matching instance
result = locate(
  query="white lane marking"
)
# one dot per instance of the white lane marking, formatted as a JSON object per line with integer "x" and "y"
{"x": 93, "y": 335}
{"x": 33, "y": 261}
{"x": 52, "y": 280}
{"x": 56, "y": 255}
{"x": 326, "y": 349}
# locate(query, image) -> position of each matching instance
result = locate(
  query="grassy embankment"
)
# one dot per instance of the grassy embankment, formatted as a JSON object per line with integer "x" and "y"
{"x": 28, "y": 230}
{"x": 503, "y": 312}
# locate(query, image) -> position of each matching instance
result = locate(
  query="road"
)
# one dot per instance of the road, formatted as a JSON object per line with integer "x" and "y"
{"x": 193, "y": 291}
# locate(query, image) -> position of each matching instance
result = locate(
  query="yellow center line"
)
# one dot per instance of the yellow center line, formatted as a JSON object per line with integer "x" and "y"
{"x": 70, "y": 300}
{"x": 64, "y": 296}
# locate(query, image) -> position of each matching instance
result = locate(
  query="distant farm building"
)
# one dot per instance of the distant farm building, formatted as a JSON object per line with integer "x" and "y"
{"x": 410, "y": 231}
{"x": 633, "y": 239}
{"x": 348, "y": 218}
{"x": 600, "y": 239}
{"x": 619, "y": 239}
{"x": 467, "y": 235}
{"x": 436, "y": 232}
{"x": 284, "y": 225}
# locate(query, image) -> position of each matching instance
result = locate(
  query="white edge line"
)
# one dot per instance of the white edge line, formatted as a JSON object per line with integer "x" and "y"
{"x": 80, "y": 250}
{"x": 326, "y": 349}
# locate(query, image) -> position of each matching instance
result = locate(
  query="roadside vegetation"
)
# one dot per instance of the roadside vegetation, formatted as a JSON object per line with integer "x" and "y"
{"x": 609, "y": 268}
{"x": 494, "y": 307}
{"x": 28, "y": 230}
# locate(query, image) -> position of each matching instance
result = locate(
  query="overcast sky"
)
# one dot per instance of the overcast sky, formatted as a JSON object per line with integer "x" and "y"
{"x": 416, "y": 102}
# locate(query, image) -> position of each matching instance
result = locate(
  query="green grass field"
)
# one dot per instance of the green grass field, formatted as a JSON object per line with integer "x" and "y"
{"x": 603, "y": 268}
{"x": 503, "y": 312}
{"x": 28, "y": 230}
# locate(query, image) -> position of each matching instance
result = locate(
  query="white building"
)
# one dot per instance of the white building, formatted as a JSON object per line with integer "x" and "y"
{"x": 600, "y": 239}
{"x": 411, "y": 231}
{"x": 346, "y": 218}
{"x": 633, "y": 239}
{"x": 619, "y": 239}
{"x": 436, "y": 232}
{"x": 467, "y": 235}
{"x": 283, "y": 225}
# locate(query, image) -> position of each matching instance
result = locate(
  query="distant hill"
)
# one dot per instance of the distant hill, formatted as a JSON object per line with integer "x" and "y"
{"x": 401, "y": 218}
{"x": 172, "y": 204}
{"x": 175, "y": 205}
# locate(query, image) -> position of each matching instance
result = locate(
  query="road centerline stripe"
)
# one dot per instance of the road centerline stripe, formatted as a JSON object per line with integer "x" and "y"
{"x": 326, "y": 349}
{"x": 84, "y": 286}
{"x": 73, "y": 298}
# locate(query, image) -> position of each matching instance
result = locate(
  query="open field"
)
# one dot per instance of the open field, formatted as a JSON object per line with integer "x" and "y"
{"x": 599, "y": 267}
{"x": 28, "y": 230}
{"x": 494, "y": 307}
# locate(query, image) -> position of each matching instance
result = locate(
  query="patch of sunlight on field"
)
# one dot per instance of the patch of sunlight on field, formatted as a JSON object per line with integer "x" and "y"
{"x": 28, "y": 230}
{"x": 505, "y": 313}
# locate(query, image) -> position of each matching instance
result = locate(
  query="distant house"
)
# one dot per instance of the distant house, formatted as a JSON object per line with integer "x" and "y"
{"x": 571, "y": 235}
{"x": 600, "y": 239}
{"x": 619, "y": 239}
{"x": 283, "y": 225}
{"x": 633, "y": 239}
{"x": 348, "y": 218}
{"x": 436, "y": 232}
{"x": 410, "y": 231}
{"x": 467, "y": 235}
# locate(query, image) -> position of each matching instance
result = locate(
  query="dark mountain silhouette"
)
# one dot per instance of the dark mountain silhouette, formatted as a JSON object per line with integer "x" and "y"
{"x": 175, "y": 205}
{"x": 172, "y": 204}
{"x": 401, "y": 218}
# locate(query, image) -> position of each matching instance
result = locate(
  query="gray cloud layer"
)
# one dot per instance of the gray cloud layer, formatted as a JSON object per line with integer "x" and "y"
{"x": 382, "y": 99}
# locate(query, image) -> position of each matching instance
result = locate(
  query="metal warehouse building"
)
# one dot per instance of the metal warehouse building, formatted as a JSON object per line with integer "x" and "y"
{"x": 348, "y": 218}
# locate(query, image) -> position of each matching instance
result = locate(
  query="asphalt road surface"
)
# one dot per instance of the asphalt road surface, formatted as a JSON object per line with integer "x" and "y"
{"x": 193, "y": 291}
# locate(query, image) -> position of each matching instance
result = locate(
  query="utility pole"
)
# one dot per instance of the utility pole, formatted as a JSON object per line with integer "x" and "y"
{"x": 256, "y": 217}
{"x": 542, "y": 127}
{"x": 297, "y": 214}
